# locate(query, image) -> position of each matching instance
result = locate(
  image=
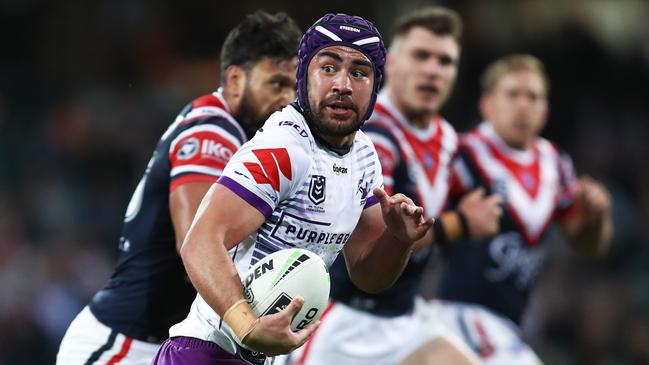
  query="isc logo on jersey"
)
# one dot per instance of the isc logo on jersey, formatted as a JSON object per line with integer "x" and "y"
{"x": 275, "y": 280}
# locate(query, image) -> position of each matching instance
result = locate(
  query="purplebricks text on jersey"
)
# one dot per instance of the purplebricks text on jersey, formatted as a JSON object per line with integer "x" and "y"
{"x": 293, "y": 230}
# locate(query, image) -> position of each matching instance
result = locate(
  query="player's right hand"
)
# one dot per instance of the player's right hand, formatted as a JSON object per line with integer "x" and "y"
{"x": 482, "y": 213}
{"x": 272, "y": 334}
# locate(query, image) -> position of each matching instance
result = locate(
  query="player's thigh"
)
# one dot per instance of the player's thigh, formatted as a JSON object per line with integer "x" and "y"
{"x": 351, "y": 337}
{"x": 88, "y": 341}
{"x": 493, "y": 338}
{"x": 441, "y": 350}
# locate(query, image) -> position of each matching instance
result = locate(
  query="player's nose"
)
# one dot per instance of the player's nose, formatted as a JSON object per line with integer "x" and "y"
{"x": 342, "y": 83}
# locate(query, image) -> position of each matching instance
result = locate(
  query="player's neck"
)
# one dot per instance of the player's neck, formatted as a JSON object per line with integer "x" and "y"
{"x": 420, "y": 120}
{"x": 343, "y": 143}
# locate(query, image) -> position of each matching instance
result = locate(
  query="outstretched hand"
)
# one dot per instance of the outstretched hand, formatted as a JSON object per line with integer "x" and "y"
{"x": 403, "y": 218}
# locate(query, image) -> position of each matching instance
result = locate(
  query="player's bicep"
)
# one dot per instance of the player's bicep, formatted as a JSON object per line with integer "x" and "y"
{"x": 369, "y": 228}
{"x": 223, "y": 217}
{"x": 183, "y": 203}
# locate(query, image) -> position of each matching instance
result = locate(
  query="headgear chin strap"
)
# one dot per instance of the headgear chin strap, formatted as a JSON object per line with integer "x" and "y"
{"x": 340, "y": 30}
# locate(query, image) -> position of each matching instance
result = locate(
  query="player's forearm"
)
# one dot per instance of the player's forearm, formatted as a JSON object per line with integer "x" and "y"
{"x": 211, "y": 271}
{"x": 381, "y": 266}
{"x": 593, "y": 238}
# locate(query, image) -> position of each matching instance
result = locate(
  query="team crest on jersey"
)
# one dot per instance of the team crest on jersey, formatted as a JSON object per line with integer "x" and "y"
{"x": 317, "y": 188}
{"x": 188, "y": 149}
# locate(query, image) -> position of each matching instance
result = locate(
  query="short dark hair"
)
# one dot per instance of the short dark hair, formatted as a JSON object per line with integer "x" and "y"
{"x": 438, "y": 20}
{"x": 260, "y": 35}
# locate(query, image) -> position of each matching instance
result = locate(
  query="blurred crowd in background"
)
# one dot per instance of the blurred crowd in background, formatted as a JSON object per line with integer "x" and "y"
{"x": 88, "y": 87}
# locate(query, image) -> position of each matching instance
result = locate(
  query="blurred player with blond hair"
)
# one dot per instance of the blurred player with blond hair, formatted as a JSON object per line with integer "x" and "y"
{"x": 485, "y": 284}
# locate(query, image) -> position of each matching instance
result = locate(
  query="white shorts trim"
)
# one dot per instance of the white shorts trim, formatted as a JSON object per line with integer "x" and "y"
{"x": 494, "y": 338}
{"x": 348, "y": 336}
{"x": 88, "y": 341}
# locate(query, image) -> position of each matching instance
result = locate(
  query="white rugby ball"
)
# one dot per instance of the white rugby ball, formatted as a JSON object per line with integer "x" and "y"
{"x": 275, "y": 280}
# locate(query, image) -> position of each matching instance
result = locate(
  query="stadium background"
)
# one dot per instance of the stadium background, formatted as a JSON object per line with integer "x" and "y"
{"x": 87, "y": 88}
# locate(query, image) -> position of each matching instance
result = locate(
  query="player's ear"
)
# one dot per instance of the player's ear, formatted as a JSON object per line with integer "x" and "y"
{"x": 483, "y": 105}
{"x": 388, "y": 65}
{"x": 235, "y": 80}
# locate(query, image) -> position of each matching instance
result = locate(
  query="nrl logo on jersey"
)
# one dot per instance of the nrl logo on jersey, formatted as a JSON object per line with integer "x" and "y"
{"x": 317, "y": 188}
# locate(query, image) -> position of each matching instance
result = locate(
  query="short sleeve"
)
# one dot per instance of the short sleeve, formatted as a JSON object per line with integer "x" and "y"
{"x": 268, "y": 168}
{"x": 201, "y": 151}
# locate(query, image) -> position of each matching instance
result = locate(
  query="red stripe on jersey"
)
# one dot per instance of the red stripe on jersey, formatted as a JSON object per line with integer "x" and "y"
{"x": 202, "y": 148}
{"x": 527, "y": 176}
{"x": 256, "y": 172}
{"x": 208, "y": 100}
{"x": 486, "y": 347}
{"x": 190, "y": 178}
{"x": 271, "y": 159}
{"x": 307, "y": 346}
{"x": 387, "y": 160}
{"x": 427, "y": 152}
{"x": 522, "y": 228}
{"x": 126, "y": 346}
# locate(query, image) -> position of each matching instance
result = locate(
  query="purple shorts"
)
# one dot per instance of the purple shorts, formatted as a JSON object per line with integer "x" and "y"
{"x": 192, "y": 351}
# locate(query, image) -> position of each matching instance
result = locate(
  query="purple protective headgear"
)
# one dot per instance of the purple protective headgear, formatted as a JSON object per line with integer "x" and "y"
{"x": 340, "y": 30}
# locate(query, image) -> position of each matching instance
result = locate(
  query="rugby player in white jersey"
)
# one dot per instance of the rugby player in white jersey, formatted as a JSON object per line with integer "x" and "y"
{"x": 285, "y": 181}
{"x": 485, "y": 284}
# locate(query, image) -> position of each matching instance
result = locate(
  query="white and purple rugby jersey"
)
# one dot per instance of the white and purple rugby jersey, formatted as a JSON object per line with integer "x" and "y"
{"x": 312, "y": 197}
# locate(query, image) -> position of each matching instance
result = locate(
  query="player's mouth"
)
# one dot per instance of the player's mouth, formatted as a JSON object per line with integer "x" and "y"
{"x": 341, "y": 109}
{"x": 429, "y": 91}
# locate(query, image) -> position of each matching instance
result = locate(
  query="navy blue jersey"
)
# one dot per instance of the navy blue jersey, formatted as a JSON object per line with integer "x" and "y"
{"x": 537, "y": 186}
{"x": 149, "y": 290}
{"x": 414, "y": 162}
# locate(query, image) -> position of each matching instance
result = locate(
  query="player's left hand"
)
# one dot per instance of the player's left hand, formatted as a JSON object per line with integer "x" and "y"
{"x": 403, "y": 218}
{"x": 593, "y": 198}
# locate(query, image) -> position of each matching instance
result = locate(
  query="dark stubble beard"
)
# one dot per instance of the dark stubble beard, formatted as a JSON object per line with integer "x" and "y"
{"x": 248, "y": 115}
{"x": 332, "y": 128}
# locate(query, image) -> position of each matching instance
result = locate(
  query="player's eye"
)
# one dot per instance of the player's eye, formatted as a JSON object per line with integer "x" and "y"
{"x": 357, "y": 74}
{"x": 328, "y": 68}
{"x": 420, "y": 55}
{"x": 445, "y": 61}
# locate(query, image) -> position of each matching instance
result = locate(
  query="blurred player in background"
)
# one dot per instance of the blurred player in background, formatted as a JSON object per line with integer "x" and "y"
{"x": 485, "y": 284}
{"x": 309, "y": 178}
{"x": 149, "y": 291}
{"x": 416, "y": 147}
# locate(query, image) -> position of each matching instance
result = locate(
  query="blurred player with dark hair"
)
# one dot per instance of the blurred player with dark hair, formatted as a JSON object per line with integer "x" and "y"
{"x": 149, "y": 291}
{"x": 416, "y": 147}
{"x": 485, "y": 284}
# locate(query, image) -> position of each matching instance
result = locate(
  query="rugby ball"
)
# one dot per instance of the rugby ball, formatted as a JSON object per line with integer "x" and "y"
{"x": 275, "y": 280}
